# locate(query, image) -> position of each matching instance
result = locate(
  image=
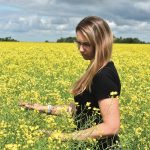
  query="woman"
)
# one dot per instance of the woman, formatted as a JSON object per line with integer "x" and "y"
{"x": 97, "y": 89}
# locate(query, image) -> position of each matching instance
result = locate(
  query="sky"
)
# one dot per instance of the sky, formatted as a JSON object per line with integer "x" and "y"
{"x": 40, "y": 20}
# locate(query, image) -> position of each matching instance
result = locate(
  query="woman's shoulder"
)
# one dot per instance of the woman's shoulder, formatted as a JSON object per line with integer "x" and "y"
{"x": 108, "y": 69}
{"x": 105, "y": 81}
{"x": 107, "y": 73}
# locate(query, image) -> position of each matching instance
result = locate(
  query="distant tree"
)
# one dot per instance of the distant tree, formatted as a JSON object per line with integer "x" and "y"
{"x": 67, "y": 39}
{"x": 127, "y": 40}
{"x": 61, "y": 40}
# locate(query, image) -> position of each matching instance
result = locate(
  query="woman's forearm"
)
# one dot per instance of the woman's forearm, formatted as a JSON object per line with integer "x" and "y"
{"x": 61, "y": 109}
{"x": 53, "y": 110}
{"x": 99, "y": 131}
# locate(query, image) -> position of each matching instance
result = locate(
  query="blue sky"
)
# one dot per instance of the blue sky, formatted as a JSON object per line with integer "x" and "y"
{"x": 40, "y": 20}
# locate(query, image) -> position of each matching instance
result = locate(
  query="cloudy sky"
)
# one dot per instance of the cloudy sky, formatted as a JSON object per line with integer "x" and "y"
{"x": 40, "y": 20}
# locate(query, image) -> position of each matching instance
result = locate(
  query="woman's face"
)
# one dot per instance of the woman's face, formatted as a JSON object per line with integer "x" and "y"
{"x": 86, "y": 49}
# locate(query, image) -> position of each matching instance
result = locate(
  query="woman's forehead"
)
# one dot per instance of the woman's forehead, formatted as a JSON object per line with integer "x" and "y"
{"x": 80, "y": 36}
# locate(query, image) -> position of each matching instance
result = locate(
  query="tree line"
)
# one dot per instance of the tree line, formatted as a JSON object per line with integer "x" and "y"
{"x": 116, "y": 40}
{"x": 72, "y": 39}
{"x": 128, "y": 40}
{"x": 8, "y": 39}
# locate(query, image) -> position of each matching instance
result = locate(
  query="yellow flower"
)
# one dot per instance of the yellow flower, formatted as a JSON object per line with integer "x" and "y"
{"x": 56, "y": 134}
{"x": 96, "y": 109}
{"x": 11, "y": 147}
{"x": 113, "y": 93}
{"x": 88, "y": 104}
{"x": 138, "y": 131}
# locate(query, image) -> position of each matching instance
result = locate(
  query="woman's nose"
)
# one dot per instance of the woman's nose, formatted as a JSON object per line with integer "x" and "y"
{"x": 81, "y": 48}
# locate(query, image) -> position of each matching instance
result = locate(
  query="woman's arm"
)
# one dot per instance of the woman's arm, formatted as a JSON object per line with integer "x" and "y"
{"x": 55, "y": 110}
{"x": 111, "y": 122}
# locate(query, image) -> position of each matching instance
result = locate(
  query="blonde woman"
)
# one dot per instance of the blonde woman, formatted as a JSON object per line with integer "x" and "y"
{"x": 98, "y": 89}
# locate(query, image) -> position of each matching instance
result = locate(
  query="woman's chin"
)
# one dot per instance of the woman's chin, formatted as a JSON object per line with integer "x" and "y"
{"x": 86, "y": 58}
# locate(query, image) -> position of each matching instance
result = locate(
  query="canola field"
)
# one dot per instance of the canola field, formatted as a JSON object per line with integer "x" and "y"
{"x": 44, "y": 72}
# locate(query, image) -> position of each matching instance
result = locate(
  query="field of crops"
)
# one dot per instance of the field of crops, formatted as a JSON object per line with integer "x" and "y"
{"x": 43, "y": 73}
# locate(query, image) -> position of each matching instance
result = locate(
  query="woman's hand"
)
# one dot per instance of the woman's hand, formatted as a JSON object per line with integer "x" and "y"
{"x": 57, "y": 135}
{"x": 30, "y": 106}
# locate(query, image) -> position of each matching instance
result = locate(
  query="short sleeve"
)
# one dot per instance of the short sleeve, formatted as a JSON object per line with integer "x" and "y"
{"x": 105, "y": 83}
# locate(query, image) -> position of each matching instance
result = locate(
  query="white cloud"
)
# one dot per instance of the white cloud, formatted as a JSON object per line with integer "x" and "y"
{"x": 62, "y": 27}
{"x": 143, "y": 6}
{"x": 112, "y": 24}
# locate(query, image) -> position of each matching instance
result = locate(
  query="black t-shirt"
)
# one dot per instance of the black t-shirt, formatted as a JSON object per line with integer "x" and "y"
{"x": 104, "y": 82}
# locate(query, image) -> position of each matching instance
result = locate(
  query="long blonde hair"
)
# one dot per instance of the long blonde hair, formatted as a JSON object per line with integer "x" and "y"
{"x": 98, "y": 33}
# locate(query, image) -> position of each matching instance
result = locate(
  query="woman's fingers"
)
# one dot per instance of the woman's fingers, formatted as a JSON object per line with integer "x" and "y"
{"x": 21, "y": 103}
{"x": 35, "y": 106}
{"x": 56, "y": 135}
{"x": 48, "y": 133}
{"x": 26, "y": 105}
{"x": 29, "y": 106}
